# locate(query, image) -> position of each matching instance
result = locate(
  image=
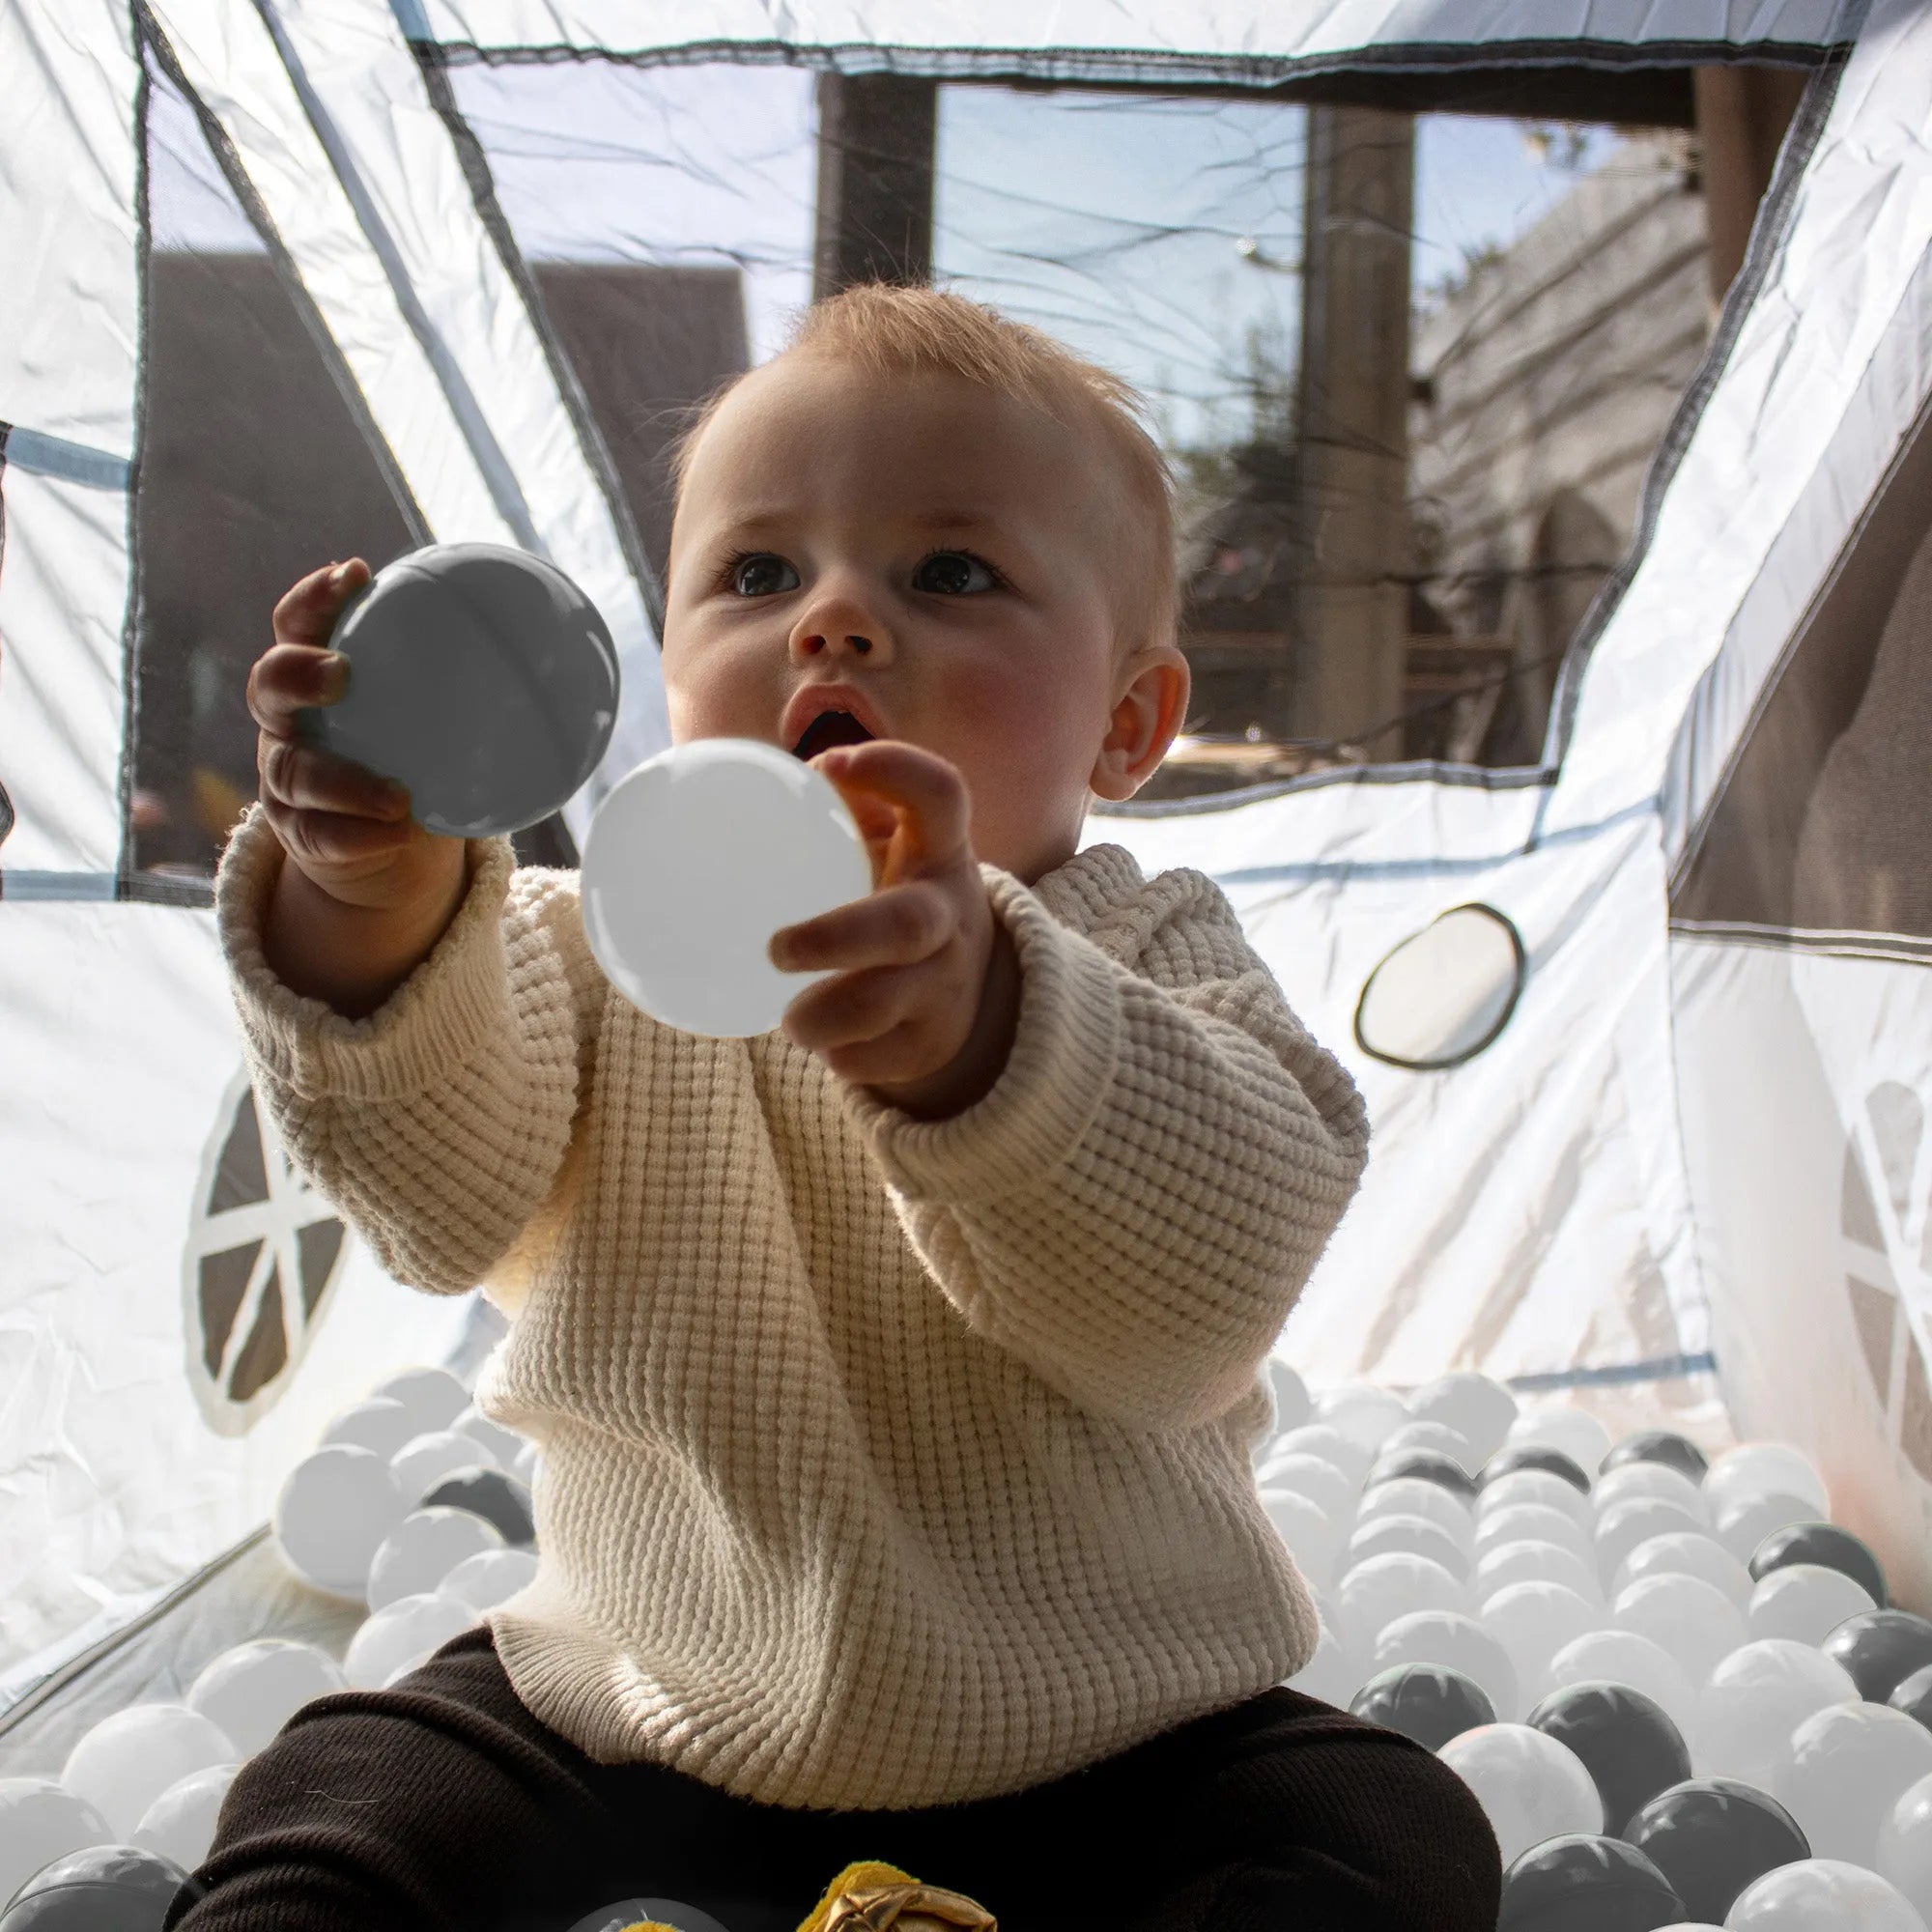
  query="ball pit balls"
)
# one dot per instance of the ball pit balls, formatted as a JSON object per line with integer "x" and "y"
{"x": 1326, "y": 1445}
{"x": 1536, "y": 1456}
{"x": 1622, "y": 1656}
{"x": 1530, "y": 1787}
{"x": 1824, "y": 1544}
{"x": 1478, "y": 1407}
{"x": 1409, "y": 1495}
{"x": 1806, "y": 1602}
{"x": 1563, "y": 1426}
{"x": 435, "y": 1397}
{"x": 1586, "y": 1883}
{"x": 631, "y": 1912}
{"x": 252, "y": 1689}
{"x": 1634, "y": 1520}
{"x": 1753, "y": 1701}
{"x": 1533, "y": 1523}
{"x": 1429, "y": 1466}
{"x": 1539, "y": 1486}
{"x": 501, "y": 1445}
{"x": 1321, "y": 1483}
{"x": 422, "y": 1550}
{"x": 1659, "y": 1445}
{"x": 1453, "y": 1641}
{"x": 398, "y": 1638}
{"x": 1653, "y": 1479}
{"x": 1764, "y": 1470}
{"x": 1626, "y": 1743}
{"x": 1822, "y": 1895}
{"x": 1842, "y": 1771}
{"x": 1693, "y": 1620}
{"x": 1365, "y": 1415}
{"x": 1686, "y": 1554}
{"x": 333, "y": 1514}
{"x": 1712, "y": 1838}
{"x": 499, "y": 1498}
{"x": 1535, "y": 1562}
{"x": 1332, "y": 1673}
{"x": 382, "y": 1424}
{"x": 1439, "y": 1437}
{"x": 126, "y": 1761}
{"x": 1293, "y": 1404}
{"x": 1743, "y": 1525}
{"x": 1384, "y": 1535}
{"x": 1880, "y": 1649}
{"x": 41, "y": 1820}
{"x": 690, "y": 955}
{"x": 1429, "y": 1702}
{"x": 1904, "y": 1854}
{"x": 1914, "y": 1696}
{"x": 1534, "y": 1621}
{"x": 480, "y": 677}
{"x": 1372, "y": 1594}
{"x": 1314, "y": 1537}
{"x": 103, "y": 1889}
{"x": 490, "y": 1577}
{"x": 424, "y": 1461}
{"x": 180, "y": 1824}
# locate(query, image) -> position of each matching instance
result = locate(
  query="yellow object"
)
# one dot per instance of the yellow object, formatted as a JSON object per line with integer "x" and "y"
{"x": 648, "y": 1926}
{"x": 874, "y": 1897}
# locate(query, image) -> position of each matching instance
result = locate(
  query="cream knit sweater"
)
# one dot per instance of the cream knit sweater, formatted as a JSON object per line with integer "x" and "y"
{"x": 886, "y": 1464}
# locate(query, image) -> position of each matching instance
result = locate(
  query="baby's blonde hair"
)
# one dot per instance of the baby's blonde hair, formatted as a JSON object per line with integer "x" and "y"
{"x": 890, "y": 330}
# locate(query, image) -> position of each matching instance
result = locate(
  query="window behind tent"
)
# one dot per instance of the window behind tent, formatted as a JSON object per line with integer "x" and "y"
{"x": 1822, "y": 830}
{"x": 255, "y": 469}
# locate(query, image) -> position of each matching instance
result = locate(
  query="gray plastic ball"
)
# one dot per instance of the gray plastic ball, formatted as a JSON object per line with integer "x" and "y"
{"x": 480, "y": 677}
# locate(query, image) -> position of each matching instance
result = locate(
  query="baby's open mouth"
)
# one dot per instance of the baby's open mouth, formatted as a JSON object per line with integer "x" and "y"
{"x": 828, "y": 728}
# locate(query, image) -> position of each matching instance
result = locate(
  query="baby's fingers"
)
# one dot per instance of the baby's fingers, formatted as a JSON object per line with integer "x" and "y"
{"x": 307, "y": 614}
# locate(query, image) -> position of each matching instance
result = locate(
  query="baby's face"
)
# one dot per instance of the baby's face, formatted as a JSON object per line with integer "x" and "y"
{"x": 945, "y": 550}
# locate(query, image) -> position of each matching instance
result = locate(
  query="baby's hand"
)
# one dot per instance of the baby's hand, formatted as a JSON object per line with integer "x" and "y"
{"x": 910, "y": 1016}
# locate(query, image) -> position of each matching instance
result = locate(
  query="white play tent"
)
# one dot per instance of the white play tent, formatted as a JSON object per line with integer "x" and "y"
{"x": 1676, "y": 1160}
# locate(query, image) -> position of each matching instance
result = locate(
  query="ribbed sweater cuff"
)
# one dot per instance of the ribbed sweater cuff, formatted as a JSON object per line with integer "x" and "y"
{"x": 1057, "y": 1077}
{"x": 432, "y": 1024}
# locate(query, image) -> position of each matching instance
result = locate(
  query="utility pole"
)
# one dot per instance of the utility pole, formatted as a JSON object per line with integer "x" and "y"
{"x": 876, "y": 139}
{"x": 1352, "y": 451}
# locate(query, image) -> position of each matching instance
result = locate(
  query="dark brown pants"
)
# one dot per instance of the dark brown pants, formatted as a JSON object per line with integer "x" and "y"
{"x": 443, "y": 1803}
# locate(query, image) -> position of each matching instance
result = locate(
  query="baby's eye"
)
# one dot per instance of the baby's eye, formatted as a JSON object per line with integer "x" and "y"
{"x": 762, "y": 574}
{"x": 953, "y": 573}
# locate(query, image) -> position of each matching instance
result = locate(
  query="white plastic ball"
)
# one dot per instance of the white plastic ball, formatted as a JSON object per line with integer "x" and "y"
{"x": 1842, "y": 1771}
{"x": 1806, "y": 1602}
{"x": 331, "y": 1516}
{"x": 1562, "y": 1425}
{"x": 1530, "y": 1787}
{"x": 1438, "y": 1437}
{"x": 1686, "y": 1555}
{"x": 1478, "y": 1405}
{"x": 128, "y": 1760}
{"x": 1411, "y": 1495}
{"x": 1507, "y": 1563}
{"x": 1652, "y": 1479}
{"x": 435, "y": 1397}
{"x": 1321, "y": 1483}
{"x": 1327, "y": 1445}
{"x": 1821, "y": 1895}
{"x": 503, "y": 1445}
{"x": 1765, "y": 1469}
{"x": 423, "y": 1461}
{"x": 401, "y": 1636}
{"x": 1314, "y": 1538}
{"x": 1391, "y": 1532}
{"x": 1746, "y": 1523}
{"x": 1333, "y": 1673}
{"x": 423, "y": 1548}
{"x": 1904, "y": 1854}
{"x": 1365, "y": 1415}
{"x": 40, "y": 1820}
{"x": 1533, "y": 1621}
{"x": 1622, "y": 1656}
{"x": 694, "y": 859}
{"x": 1635, "y": 1521}
{"x": 1372, "y": 1594}
{"x": 1540, "y": 1487}
{"x": 490, "y": 1577}
{"x": 382, "y": 1424}
{"x": 180, "y": 1824}
{"x": 1293, "y": 1405}
{"x": 1533, "y": 1523}
{"x": 252, "y": 1689}
{"x": 1692, "y": 1619}
{"x": 1452, "y": 1642}
{"x": 1753, "y": 1701}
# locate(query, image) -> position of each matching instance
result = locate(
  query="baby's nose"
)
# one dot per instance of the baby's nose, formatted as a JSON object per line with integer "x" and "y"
{"x": 815, "y": 639}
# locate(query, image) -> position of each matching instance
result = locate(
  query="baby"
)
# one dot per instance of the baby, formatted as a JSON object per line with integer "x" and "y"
{"x": 897, "y": 1372}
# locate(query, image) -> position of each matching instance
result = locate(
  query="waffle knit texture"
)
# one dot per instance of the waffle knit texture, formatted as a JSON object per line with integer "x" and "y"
{"x": 886, "y": 1464}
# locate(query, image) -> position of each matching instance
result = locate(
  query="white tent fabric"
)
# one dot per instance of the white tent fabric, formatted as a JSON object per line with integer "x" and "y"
{"x": 1637, "y": 1191}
